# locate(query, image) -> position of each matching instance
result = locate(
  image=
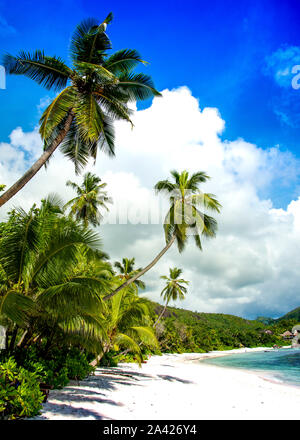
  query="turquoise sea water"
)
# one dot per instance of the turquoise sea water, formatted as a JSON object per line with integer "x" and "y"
{"x": 282, "y": 365}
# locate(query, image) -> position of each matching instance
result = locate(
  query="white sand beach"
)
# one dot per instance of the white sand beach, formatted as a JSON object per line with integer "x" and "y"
{"x": 173, "y": 387}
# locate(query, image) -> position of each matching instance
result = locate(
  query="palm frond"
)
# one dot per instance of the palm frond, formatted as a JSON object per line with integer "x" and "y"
{"x": 51, "y": 72}
{"x": 89, "y": 42}
{"x": 138, "y": 86}
{"x": 76, "y": 148}
{"x": 123, "y": 61}
{"x": 16, "y": 307}
{"x": 57, "y": 111}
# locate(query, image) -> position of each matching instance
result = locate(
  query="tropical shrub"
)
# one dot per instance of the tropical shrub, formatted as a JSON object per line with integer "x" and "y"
{"x": 61, "y": 365}
{"x": 20, "y": 393}
{"x": 109, "y": 359}
{"x": 78, "y": 365}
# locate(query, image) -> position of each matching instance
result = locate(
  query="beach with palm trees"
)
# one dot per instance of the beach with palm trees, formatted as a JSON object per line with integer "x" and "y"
{"x": 81, "y": 334}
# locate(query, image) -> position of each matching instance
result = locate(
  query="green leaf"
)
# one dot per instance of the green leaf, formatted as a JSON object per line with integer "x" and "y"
{"x": 51, "y": 72}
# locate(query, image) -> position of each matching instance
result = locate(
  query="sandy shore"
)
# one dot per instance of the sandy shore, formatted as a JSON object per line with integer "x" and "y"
{"x": 173, "y": 387}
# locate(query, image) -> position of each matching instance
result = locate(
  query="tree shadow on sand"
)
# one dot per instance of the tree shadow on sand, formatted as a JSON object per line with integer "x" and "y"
{"x": 71, "y": 402}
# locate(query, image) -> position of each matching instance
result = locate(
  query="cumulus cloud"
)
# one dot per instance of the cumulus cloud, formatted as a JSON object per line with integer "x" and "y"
{"x": 251, "y": 267}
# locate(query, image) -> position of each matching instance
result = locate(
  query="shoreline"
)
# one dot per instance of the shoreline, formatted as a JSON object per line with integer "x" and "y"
{"x": 266, "y": 375}
{"x": 173, "y": 387}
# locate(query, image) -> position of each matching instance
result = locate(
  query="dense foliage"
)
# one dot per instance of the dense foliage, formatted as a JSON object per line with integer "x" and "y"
{"x": 185, "y": 331}
{"x": 20, "y": 393}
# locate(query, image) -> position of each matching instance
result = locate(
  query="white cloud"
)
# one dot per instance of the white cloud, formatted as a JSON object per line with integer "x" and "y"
{"x": 252, "y": 266}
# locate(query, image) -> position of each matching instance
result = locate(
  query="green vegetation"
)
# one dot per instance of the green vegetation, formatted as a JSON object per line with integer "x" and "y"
{"x": 90, "y": 197}
{"x": 185, "y": 331}
{"x": 20, "y": 393}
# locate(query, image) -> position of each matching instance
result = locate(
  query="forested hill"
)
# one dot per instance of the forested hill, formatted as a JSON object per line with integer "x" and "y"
{"x": 294, "y": 314}
{"x": 186, "y": 331}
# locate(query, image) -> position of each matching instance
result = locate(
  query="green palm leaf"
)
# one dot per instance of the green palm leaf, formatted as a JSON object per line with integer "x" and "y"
{"x": 51, "y": 72}
{"x": 138, "y": 86}
{"x": 123, "y": 61}
{"x": 57, "y": 111}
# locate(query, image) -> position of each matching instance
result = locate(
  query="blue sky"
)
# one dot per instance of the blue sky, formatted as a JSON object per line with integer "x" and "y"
{"x": 218, "y": 49}
{"x": 234, "y": 56}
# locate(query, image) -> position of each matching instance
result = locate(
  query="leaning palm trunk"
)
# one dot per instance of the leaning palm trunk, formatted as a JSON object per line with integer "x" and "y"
{"x": 16, "y": 187}
{"x": 143, "y": 271}
{"x": 161, "y": 315}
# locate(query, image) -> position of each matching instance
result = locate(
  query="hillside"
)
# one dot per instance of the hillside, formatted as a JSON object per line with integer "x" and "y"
{"x": 293, "y": 314}
{"x": 186, "y": 331}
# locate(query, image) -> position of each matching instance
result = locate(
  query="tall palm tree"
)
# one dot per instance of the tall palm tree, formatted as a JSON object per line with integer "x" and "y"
{"x": 127, "y": 271}
{"x": 90, "y": 197}
{"x": 174, "y": 289}
{"x": 184, "y": 218}
{"x": 93, "y": 92}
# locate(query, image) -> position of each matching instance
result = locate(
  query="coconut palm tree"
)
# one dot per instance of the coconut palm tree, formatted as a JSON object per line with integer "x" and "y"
{"x": 93, "y": 92}
{"x": 90, "y": 197}
{"x": 127, "y": 271}
{"x": 126, "y": 320}
{"x": 174, "y": 289}
{"x": 41, "y": 291}
{"x": 184, "y": 218}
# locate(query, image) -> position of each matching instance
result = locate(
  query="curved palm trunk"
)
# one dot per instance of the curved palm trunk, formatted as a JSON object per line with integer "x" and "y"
{"x": 161, "y": 315}
{"x": 98, "y": 358}
{"x": 143, "y": 271}
{"x": 38, "y": 164}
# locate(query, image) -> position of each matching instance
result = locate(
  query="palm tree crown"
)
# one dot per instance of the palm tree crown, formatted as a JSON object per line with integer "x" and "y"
{"x": 90, "y": 197}
{"x": 184, "y": 217}
{"x": 93, "y": 92}
{"x": 126, "y": 269}
{"x": 174, "y": 288}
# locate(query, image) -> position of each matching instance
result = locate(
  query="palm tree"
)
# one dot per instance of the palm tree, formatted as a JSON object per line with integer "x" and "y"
{"x": 127, "y": 271}
{"x": 93, "y": 92}
{"x": 41, "y": 290}
{"x": 184, "y": 219}
{"x": 126, "y": 320}
{"x": 174, "y": 289}
{"x": 90, "y": 196}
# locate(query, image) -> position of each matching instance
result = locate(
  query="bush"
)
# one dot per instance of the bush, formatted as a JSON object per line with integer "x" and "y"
{"x": 109, "y": 359}
{"x": 20, "y": 393}
{"x": 62, "y": 365}
{"x": 77, "y": 365}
